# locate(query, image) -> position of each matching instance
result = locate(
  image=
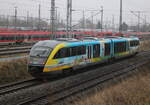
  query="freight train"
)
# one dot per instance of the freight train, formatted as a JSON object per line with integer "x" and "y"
{"x": 52, "y": 57}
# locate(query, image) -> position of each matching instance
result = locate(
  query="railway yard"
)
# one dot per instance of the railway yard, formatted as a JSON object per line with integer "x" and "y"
{"x": 67, "y": 87}
{"x": 18, "y": 87}
{"x": 82, "y": 52}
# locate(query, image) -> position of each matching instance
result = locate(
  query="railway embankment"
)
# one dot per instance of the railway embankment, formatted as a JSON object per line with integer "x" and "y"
{"x": 130, "y": 91}
{"x": 64, "y": 89}
{"x": 145, "y": 45}
{"x": 14, "y": 70}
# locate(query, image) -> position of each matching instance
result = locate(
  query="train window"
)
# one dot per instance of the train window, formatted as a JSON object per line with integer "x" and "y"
{"x": 18, "y": 37}
{"x": 47, "y": 36}
{"x": 21, "y": 37}
{"x": 10, "y": 37}
{"x": 83, "y": 51}
{"x": 67, "y": 52}
{"x": 72, "y": 51}
{"x": 80, "y": 50}
{"x": 7, "y": 37}
{"x": 96, "y": 50}
{"x": 59, "y": 54}
{"x": 40, "y": 51}
{"x": 107, "y": 49}
{"x": 29, "y": 37}
{"x": 63, "y": 53}
{"x": 42, "y": 36}
{"x": 134, "y": 43}
{"x": 1, "y": 37}
{"x": 26, "y": 37}
{"x": 120, "y": 47}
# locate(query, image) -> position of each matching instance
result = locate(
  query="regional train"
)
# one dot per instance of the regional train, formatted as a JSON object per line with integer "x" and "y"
{"x": 52, "y": 57}
{"x": 10, "y": 37}
{"x": 21, "y": 37}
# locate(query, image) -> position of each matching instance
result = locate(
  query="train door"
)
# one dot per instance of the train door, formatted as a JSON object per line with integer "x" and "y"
{"x": 89, "y": 52}
{"x": 107, "y": 49}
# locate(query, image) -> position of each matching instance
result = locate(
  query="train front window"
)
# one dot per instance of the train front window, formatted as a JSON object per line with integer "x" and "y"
{"x": 39, "y": 51}
{"x": 134, "y": 43}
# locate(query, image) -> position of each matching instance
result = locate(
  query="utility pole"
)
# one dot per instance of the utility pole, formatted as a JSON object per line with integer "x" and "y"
{"x": 102, "y": 13}
{"x": 7, "y": 21}
{"x": 83, "y": 20}
{"x": 145, "y": 24}
{"x": 56, "y": 18}
{"x": 69, "y": 17}
{"x": 68, "y": 11}
{"x": 32, "y": 23}
{"x": 39, "y": 12}
{"x": 120, "y": 21}
{"x": 16, "y": 17}
{"x": 139, "y": 17}
{"x": 92, "y": 21}
{"x": 139, "y": 13}
{"x": 145, "y": 20}
{"x": 113, "y": 23}
{"x": 53, "y": 18}
{"x": 27, "y": 17}
{"x": 49, "y": 20}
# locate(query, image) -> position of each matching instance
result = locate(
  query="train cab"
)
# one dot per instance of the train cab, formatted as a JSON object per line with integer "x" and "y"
{"x": 134, "y": 44}
{"x": 39, "y": 55}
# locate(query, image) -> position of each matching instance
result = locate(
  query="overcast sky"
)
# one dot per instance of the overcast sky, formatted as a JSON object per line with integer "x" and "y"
{"x": 111, "y": 8}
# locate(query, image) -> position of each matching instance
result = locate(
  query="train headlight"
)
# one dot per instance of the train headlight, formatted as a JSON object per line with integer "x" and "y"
{"x": 40, "y": 61}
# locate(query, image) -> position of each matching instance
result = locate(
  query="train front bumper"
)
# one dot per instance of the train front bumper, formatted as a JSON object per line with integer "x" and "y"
{"x": 38, "y": 71}
{"x": 33, "y": 69}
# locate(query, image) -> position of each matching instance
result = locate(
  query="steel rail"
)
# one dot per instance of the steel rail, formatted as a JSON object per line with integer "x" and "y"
{"x": 15, "y": 48}
{"x": 10, "y": 88}
{"x": 15, "y": 45}
{"x": 14, "y": 52}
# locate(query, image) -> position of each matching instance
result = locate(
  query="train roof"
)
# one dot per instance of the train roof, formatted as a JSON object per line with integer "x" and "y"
{"x": 48, "y": 43}
{"x": 54, "y": 43}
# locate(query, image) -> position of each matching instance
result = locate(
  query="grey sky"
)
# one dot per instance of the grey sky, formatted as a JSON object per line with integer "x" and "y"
{"x": 111, "y": 8}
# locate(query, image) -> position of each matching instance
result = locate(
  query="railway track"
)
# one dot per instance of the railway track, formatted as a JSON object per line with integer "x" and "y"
{"x": 14, "y": 50}
{"x": 9, "y": 88}
{"x": 62, "y": 89}
{"x": 15, "y": 45}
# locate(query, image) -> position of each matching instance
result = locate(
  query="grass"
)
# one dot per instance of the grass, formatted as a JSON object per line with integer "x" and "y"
{"x": 145, "y": 45}
{"x": 133, "y": 91}
{"x": 11, "y": 71}
{"x": 14, "y": 55}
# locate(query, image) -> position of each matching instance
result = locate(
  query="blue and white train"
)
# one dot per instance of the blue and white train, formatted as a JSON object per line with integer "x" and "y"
{"x": 55, "y": 56}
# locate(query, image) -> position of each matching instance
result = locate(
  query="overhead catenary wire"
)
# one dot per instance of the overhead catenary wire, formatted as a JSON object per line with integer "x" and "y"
{"x": 89, "y": 18}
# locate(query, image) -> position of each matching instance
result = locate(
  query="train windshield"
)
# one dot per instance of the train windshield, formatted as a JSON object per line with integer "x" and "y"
{"x": 40, "y": 51}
